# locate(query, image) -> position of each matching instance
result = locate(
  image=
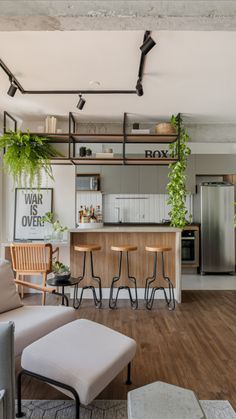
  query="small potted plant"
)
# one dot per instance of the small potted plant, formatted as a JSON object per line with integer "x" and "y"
{"x": 61, "y": 271}
{"x": 57, "y": 229}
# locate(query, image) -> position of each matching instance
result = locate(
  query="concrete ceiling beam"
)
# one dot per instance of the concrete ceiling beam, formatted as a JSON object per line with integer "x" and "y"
{"x": 118, "y": 15}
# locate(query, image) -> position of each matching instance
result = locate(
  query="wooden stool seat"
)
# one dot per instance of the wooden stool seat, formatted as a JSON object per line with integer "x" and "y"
{"x": 87, "y": 247}
{"x": 158, "y": 249}
{"x": 124, "y": 248}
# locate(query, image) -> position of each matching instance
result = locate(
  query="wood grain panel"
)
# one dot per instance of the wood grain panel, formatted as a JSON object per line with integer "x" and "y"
{"x": 141, "y": 262}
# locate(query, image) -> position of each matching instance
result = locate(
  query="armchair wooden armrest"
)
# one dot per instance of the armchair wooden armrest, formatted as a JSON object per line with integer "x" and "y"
{"x": 56, "y": 252}
{"x": 43, "y": 289}
{"x": 35, "y": 286}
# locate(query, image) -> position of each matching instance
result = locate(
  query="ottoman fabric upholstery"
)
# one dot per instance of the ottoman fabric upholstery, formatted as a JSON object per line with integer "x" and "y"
{"x": 33, "y": 322}
{"x": 82, "y": 354}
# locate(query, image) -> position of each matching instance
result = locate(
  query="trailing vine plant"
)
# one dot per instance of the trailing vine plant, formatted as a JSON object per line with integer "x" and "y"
{"x": 26, "y": 157}
{"x": 177, "y": 185}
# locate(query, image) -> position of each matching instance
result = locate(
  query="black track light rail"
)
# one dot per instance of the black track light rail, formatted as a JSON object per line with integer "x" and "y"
{"x": 14, "y": 80}
{"x": 82, "y": 92}
{"x": 142, "y": 58}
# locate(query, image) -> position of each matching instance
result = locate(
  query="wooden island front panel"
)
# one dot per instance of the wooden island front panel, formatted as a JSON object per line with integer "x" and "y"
{"x": 141, "y": 261}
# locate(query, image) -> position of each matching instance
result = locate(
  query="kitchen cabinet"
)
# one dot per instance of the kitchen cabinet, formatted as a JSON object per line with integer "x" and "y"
{"x": 148, "y": 180}
{"x": 111, "y": 179}
{"x": 216, "y": 164}
{"x": 120, "y": 180}
{"x": 191, "y": 175}
{"x": 89, "y": 169}
{"x": 162, "y": 176}
{"x": 129, "y": 179}
{"x": 139, "y": 179}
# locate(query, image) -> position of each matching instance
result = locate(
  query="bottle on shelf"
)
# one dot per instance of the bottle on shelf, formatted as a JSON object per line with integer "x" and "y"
{"x": 85, "y": 216}
{"x": 98, "y": 214}
{"x": 93, "y": 218}
{"x": 81, "y": 211}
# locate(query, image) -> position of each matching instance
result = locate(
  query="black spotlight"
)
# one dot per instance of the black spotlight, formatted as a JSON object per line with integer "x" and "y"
{"x": 12, "y": 89}
{"x": 81, "y": 103}
{"x": 147, "y": 45}
{"x": 139, "y": 88}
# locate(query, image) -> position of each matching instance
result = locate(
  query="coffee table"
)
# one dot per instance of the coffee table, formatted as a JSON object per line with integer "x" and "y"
{"x": 55, "y": 282}
{"x": 161, "y": 400}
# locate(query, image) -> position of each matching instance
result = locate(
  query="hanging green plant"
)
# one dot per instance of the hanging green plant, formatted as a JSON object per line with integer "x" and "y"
{"x": 177, "y": 186}
{"x": 26, "y": 157}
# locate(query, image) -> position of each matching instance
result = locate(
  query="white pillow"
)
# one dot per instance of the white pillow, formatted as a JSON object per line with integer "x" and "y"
{"x": 9, "y": 297}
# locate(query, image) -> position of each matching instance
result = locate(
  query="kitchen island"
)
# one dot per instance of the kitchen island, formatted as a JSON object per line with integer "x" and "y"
{"x": 141, "y": 262}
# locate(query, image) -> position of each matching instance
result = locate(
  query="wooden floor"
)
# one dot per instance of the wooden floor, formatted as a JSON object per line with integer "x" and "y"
{"x": 193, "y": 347}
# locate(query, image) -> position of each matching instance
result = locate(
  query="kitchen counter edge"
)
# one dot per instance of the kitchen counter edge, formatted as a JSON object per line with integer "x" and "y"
{"x": 127, "y": 229}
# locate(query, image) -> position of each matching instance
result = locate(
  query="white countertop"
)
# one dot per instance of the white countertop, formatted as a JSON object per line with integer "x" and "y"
{"x": 127, "y": 229}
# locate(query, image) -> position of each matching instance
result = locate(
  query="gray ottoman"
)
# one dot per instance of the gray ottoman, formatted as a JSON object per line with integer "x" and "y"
{"x": 163, "y": 401}
{"x": 81, "y": 358}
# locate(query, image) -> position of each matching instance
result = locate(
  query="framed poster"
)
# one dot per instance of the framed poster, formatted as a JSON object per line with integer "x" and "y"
{"x": 30, "y": 206}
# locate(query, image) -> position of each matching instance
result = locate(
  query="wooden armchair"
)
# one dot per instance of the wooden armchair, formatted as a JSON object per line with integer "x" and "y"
{"x": 32, "y": 259}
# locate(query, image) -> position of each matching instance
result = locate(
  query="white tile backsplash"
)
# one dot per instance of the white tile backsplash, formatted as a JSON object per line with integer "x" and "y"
{"x": 138, "y": 208}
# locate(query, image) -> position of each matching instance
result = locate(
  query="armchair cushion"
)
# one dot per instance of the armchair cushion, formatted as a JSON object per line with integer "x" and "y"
{"x": 33, "y": 322}
{"x": 9, "y": 297}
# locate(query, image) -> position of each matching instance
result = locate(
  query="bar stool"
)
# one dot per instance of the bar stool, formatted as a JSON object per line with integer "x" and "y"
{"x": 88, "y": 248}
{"x": 149, "y": 297}
{"x": 133, "y": 301}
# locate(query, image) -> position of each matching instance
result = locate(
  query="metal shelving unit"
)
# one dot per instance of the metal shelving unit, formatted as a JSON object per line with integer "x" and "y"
{"x": 72, "y": 138}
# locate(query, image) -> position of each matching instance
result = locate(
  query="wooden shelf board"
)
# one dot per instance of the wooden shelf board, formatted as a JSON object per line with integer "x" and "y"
{"x": 62, "y": 137}
{"x": 151, "y": 138}
{"x": 98, "y": 138}
{"x": 151, "y": 161}
{"x": 113, "y": 161}
{"x": 92, "y": 160}
{"x": 107, "y": 138}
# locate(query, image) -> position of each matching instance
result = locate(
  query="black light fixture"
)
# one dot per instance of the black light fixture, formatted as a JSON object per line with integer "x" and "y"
{"x": 148, "y": 44}
{"x": 81, "y": 103}
{"x": 12, "y": 89}
{"x": 139, "y": 88}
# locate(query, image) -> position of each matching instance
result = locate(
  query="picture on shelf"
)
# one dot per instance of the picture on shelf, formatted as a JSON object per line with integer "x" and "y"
{"x": 30, "y": 207}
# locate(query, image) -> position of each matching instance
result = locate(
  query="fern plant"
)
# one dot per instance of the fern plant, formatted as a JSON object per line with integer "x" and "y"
{"x": 177, "y": 185}
{"x": 26, "y": 157}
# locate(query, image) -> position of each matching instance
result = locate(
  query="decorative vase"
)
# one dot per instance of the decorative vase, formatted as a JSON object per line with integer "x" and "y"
{"x": 165, "y": 128}
{"x": 57, "y": 236}
{"x": 48, "y": 232}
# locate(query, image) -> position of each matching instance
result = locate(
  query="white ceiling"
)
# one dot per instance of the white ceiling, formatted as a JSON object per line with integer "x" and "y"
{"x": 189, "y": 72}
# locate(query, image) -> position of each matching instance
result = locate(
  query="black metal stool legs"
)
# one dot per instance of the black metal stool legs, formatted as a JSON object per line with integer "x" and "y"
{"x": 133, "y": 301}
{"x": 171, "y": 300}
{"x": 150, "y": 279}
{"x": 112, "y": 299}
{"x": 149, "y": 297}
{"x": 97, "y": 299}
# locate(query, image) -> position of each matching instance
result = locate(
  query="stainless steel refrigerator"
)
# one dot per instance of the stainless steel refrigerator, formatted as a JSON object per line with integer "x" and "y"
{"x": 217, "y": 227}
